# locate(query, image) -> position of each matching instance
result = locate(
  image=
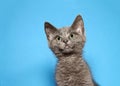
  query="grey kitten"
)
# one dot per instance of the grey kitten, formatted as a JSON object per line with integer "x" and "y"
{"x": 67, "y": 44}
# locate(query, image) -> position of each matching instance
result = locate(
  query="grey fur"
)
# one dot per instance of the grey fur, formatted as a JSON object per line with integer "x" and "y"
{"x": 67, "y": 44}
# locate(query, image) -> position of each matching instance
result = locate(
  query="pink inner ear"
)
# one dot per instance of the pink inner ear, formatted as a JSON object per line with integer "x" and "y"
{"x": 79, "y": 30}
{"x": 79, "y": 27}
{"x": 49, "y": 33}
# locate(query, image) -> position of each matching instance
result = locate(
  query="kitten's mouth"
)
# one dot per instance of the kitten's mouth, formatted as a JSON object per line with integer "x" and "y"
{"x": 67, "y": 49}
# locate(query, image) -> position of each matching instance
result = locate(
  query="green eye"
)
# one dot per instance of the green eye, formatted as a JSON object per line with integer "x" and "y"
{"x": 58, "y": 38}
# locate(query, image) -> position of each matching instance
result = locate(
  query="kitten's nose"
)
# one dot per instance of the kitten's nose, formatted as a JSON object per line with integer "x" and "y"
{"x": 65, "y": 41}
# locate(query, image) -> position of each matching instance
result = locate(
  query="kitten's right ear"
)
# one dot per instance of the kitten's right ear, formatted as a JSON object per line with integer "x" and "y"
{"x": 49, "y": 30}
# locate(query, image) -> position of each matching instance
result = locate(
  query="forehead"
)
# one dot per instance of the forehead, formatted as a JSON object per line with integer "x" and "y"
{"x": 64, "y": 31}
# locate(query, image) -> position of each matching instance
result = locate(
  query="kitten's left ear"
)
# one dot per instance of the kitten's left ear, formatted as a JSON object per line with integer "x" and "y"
{"x": 78, "y": 25}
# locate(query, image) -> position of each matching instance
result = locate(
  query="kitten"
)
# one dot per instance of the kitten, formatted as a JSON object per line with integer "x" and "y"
{"x": 67, "y": 44}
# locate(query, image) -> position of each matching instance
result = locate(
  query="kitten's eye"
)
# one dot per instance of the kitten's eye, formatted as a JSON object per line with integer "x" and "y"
{"x": 71, "y": 35}
{"x": 58, "y": 38}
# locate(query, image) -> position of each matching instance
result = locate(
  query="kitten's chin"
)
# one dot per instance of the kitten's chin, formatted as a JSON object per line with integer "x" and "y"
{"x": 66, "y": 50}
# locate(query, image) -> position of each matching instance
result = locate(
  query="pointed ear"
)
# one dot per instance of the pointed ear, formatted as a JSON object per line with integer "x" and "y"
{"x": 78, "y": 25}
{"x": 49, "y": 30}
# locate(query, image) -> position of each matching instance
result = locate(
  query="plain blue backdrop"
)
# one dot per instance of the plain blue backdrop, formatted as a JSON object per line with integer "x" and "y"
{"x": 26, "y": 60}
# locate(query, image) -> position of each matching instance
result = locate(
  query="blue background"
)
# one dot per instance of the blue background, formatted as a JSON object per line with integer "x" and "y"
{"x": 26, "y": 60}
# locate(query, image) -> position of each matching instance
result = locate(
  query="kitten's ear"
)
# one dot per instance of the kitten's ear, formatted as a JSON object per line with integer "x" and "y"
{"x": 49, "y": 30}
{"x": 78, "y": 25}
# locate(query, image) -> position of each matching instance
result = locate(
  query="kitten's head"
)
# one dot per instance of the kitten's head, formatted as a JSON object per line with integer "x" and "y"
{"x": 66, "y": 40}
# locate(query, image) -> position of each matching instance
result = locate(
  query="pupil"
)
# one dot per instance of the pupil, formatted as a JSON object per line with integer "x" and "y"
{"x": 71, "y": 35}
{"x": 58, "y": 38}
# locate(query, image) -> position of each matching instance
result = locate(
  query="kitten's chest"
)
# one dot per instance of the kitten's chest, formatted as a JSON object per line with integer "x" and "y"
{"x": 70, "y": 65}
